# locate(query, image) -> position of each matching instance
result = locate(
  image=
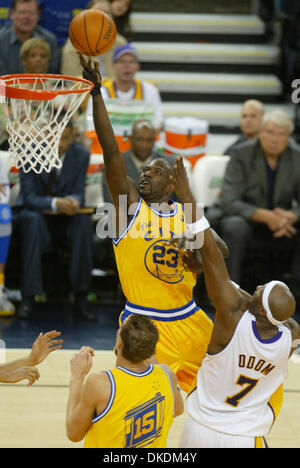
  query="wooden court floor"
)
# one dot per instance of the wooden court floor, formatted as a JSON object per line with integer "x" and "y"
{"x": 34, "y": 417}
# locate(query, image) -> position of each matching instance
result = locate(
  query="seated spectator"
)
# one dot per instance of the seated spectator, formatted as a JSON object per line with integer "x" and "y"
{"x": 121, "y": 10}
{"x": 49, "y": 217}
{"x": 35, "y": 55}
{"x": 250, "y": 123}
{"x": 24, "y": 16}
{"x": 126, "y": 87}
{"x": 70, "y": 64}
{"x": 260, "y": 202}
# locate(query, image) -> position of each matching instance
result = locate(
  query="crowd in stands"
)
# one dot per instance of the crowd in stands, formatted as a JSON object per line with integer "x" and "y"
{"x": 257, "y": 213}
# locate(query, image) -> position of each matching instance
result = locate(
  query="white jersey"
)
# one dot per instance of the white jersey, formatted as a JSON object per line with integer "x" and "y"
{"x": 234, "y": 386}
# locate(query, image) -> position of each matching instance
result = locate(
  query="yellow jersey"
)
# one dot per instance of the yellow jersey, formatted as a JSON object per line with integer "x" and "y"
{"x": 139, "y": 412}
{"x": 152, "y": 275}
{"x": 110, "y": 86}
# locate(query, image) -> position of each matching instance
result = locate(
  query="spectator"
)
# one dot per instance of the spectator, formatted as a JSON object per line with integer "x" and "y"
{"x": 56, "y": 16}
{"x": 126, "y": 87}
{"x": 121, "y": 10}
{"x": 70, "y": 64}
{"x": 260, "y": 189}
{"x": 250, "y": 122}
{"x": 49, "y": 217}
{"x": 24, "y": 16}
{"x": 35, "y": 55}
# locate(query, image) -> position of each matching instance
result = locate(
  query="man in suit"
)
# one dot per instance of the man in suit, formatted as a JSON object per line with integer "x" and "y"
{"x": 250, "y": 123}
{"x": 260, "y": 199}
{"x": 24, "y": 15}
{"x": 50, "y": 217}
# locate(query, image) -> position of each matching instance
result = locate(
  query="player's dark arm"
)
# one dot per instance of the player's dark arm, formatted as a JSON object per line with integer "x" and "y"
{"x": 183, "y": 191}
{"x": 115, "y": 169}
{"x": 192, "y": 257}
{"x": 221, "y": 291}
{"x": 294, "y": 327}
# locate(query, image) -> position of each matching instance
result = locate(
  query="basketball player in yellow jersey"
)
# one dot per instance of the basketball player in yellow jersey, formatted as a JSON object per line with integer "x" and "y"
{"x": 130, "y": 406}
{"x": 153, "y": 277}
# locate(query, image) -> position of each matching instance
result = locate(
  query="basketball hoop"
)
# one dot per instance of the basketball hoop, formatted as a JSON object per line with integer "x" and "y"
{"x": 37, "y": 108}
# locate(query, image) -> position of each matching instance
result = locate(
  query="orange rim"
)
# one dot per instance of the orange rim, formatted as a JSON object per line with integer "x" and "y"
{"x": 8, "y": 89}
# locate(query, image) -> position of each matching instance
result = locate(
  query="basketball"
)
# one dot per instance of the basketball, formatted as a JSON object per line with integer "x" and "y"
{"x": 92, "y": 32}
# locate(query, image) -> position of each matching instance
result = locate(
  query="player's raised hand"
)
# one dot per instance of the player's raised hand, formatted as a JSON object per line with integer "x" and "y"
{"x": 91, "y": 73}
{"x": 180, "y": 180}
{"x": 191, "y": 257}
{"x": 82, "y": 362}
{"x": 43, "y": 346}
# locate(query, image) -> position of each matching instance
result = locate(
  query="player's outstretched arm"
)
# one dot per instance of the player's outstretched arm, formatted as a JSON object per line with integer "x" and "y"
{"x": 182, "y": 188}
{"x": 22, "y": 373}
{"x": 221, "y": 291}
{"x": 115, "y": 169}
{"x": 44, "y": 344}
{"x": 87, "y": 396}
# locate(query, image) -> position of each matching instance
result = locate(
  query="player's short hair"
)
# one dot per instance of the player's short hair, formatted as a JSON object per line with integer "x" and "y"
{"x": 139, "y": 336}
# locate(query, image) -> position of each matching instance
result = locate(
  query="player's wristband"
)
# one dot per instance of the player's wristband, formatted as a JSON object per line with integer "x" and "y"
{"x": 199, "y": 226}
{"x": 88, "y": 76}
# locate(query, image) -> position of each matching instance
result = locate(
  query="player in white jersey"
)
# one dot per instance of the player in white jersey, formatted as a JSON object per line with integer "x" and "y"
{"x": 246, "y": 360}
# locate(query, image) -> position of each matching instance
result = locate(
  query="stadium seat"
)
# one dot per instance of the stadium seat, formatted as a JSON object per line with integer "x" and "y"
{"x": 207, "y": 178}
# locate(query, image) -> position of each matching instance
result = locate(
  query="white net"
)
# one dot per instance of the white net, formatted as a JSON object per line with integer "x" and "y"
{"x": 35, "y": 126}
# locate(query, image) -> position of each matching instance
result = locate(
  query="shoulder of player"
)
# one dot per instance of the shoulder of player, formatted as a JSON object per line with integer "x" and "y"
{"x": 170, "y": 373}
{"x": 294, "y": 328}
{"x": 98, "y": 386}
{"x": 233, "y": 304}
{"x": 97, "y": 378}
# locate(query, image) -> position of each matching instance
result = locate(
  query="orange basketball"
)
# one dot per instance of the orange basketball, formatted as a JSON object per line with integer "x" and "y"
{"x": 92, "y": 32}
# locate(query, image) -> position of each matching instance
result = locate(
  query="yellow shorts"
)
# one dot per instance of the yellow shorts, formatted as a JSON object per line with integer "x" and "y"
{"x": 182, "y": 345}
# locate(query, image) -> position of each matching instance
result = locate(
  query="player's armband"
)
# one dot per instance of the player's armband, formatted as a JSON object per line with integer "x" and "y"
{"x": 199, "y": 226}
